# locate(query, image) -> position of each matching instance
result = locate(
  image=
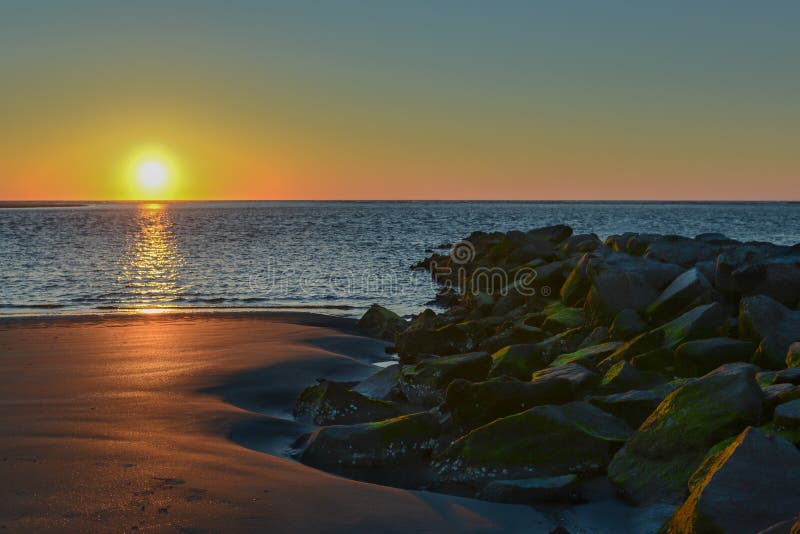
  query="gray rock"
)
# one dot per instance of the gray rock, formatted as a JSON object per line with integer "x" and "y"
{"x": 656, "y": 462}
{"x": 543, "y": 441}
{"x": 576, "y": 378}
{"x": 788, "y": 415}
{"x": 425, "y": 382}
{"x": 333, "y": 403}
{"x": 383, "y": 443}
{"x": 770, "y": 323}
{"x": 744, "y": 487}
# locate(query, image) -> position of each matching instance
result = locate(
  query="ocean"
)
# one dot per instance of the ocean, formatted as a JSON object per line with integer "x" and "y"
{"x": 329, "y": 257}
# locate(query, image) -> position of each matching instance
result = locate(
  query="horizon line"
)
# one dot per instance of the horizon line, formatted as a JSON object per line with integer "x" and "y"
{"x": 164, "y": 201}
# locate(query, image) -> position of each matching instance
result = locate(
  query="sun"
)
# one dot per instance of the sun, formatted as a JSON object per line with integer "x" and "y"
{"x": 152, "y": 174}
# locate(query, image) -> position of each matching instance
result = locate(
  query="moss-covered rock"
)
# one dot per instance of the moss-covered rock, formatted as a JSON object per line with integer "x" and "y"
{"x": 333, "y": 403}
{"x": 560, "y": 318}
{"x": 697, "y": 323}
{"x": 476, "y": 404}
{"x": 381, "y": 323}
{"x": 425, "y": 382}
{"x": 701, "y": 356}
{"x": 574, "y": 438}
{"x": 443, "y": 341}
{"x": 743, "y": 486}
{"x": 519, "y": 361}
{"x": 687, "y": 290}
{"x": 588, "y": 356}
{"x": 383, "y": 443}
{"x": 793, "y": 355}
{"x": 661, "y": 455}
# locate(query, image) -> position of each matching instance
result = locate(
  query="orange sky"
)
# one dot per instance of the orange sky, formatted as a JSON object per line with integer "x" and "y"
{"x": 413, "y": 102}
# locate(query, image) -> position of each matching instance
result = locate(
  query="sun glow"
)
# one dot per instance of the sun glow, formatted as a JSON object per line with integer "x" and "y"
{"x": 154, "y": 175}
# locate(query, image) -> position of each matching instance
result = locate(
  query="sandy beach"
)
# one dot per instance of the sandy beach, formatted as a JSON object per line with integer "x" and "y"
{"x": 137, "y": 423}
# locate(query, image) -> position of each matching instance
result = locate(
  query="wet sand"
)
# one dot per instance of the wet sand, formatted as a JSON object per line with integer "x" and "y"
{"x": 143, "y": 423}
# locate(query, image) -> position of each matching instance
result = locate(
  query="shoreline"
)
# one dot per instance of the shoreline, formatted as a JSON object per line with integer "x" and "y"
{"x": 135, "y": 423}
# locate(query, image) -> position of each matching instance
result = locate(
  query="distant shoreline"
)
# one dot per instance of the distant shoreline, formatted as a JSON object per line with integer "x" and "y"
{"x": 40, "y": 204}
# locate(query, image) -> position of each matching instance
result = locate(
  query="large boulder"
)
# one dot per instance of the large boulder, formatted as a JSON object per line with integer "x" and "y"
{"x": 543, "y": 441}
{"x": 695, "y": 358}
{"x": 474, "y": 404}
{"x": 770, "y": 323}
{"x": 613, "y": 291}
{"x": 425, "y": 382}
{"x": 655, "y": 464}
{"x": 743, "y": 486}
{"x": 381, "y": 323}
{"x": 383, "y": 443}
{"x": 333, "y": 403}
{"x": 687, "y": 290}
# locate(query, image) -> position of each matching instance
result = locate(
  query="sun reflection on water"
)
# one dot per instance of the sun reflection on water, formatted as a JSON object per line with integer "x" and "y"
{"x": 151, "y": 264}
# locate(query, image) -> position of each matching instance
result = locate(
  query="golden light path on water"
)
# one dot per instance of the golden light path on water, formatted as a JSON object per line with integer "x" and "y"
{"x": 151, "y": 264}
